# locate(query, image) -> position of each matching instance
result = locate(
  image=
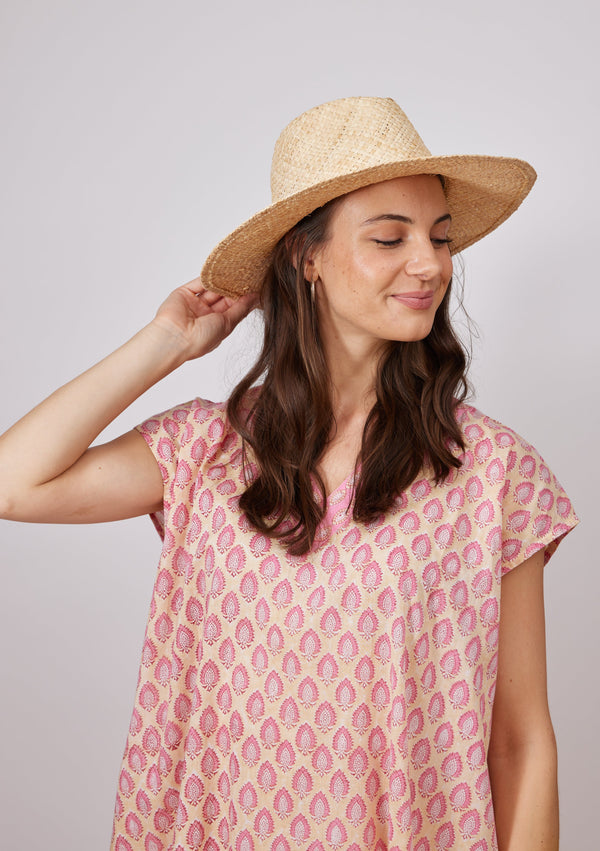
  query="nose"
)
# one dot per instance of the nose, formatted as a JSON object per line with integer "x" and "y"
{"x": 425, "y": 262}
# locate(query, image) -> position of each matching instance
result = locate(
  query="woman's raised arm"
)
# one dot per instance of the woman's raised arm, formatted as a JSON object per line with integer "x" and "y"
{"x": 47, "y": 472}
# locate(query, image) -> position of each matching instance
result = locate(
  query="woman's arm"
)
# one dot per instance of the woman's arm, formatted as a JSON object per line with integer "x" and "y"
{"x": 522, "y": 755}
{"x": 48, "y": 473}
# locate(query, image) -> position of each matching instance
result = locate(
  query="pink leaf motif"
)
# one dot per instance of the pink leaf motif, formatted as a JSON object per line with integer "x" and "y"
{"x": 444, "y": 838}
{"x": 451, "y": 565}
{"x": 356, "y": 811}
{"x": 495, "y": 472}
{"x": 542, "y": 525}
{"x": 368, "y": 623}
{"x": 444, "y": 737}
{"x": 316, "y": 599}
{"x": 442, "y": 633}
{"x": 421, "y": 650}
{"x": 436, "y": 603}
{"x": 459, "y": 695}
{"x": 450, "y": 664}
{"x": 305, "y": 739}
{"x": 428, "y": 782}
{"x": 524, "y": 493}
{"x": 409, "y": 523}
{"x": 436, "y": 808}
{"x": 421, "y": 753}
{"x": 251, "y": 751}
{"x": 270, "y": 568}
{"x": 361, "y": 719}
{"x": 300, "y": 829}
{"x": 397, "y": 560}
{"x": 431, "y": 576}
{"x": 451, "y": 766}
{"x": 511, "y": 549}
{"x": 428, "y": 678}
{"x": 362, "y": 556}
{"x": 263, "y": 824}
{"x": 473, "y": 651}
{"x": 345, "y": 694}
{"x": 420, "y": 489}
{"x": 286, "y": 756}
{"x": 517, "y": 521}
{"x": 357, "y": 762}
{"x": 327, "y": 669}
{"x": 468, "y": 725}
{"x": 183, "y": 474}
{"x": 421, "y": 547}
{"x": 460, "y": 797}
{"x": 325, "y": 717}
{"x": 527, "y": 466}
{"x": 305, "y": 576}
{"x": 483, "y": 450}
{"x": 294, "y": 620}
{"x": 380, "y": 695}
{"x": 342, "y": 742}
{"x": 482, "y": 582}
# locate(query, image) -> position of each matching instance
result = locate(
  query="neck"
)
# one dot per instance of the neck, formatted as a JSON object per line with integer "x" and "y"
{"x": 352, "y": 371}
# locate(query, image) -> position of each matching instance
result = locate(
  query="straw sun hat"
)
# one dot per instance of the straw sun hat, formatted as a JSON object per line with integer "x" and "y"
{"x": 347, "y": 144}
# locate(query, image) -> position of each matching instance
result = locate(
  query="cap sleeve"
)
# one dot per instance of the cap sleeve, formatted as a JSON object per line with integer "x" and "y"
{"x": 536, "y": 511}
{"x": 174, "y": 439}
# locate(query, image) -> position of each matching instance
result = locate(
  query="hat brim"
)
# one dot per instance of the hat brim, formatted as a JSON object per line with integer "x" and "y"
{"x": 481, "y": 191}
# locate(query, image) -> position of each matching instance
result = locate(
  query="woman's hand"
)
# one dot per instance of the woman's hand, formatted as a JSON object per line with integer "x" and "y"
{"x": 200, "y": 319}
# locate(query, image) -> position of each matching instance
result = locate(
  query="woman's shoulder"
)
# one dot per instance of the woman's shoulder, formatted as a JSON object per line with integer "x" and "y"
{"x": 196, "y": 410}
{"x": 188, "y": 429}
{"x": 479, "y": 428}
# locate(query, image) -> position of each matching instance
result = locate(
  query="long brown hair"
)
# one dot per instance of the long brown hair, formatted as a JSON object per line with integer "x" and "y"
{"x": 288, "y": 421}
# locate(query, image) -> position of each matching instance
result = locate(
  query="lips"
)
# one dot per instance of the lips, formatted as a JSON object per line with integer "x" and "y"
{"x": 420, "y": 300}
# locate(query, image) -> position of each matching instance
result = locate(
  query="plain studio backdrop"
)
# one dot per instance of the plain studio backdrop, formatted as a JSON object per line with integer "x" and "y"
{"x": 134, "y": 136}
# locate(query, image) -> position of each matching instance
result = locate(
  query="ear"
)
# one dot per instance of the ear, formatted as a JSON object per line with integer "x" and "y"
{"x": 314, "y": 262}
{"x": 294, "y": 247}
{"x": 309, "y": 269}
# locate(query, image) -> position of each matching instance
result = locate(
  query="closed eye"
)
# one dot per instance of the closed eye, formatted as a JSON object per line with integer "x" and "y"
{"x": 437, "y": 241}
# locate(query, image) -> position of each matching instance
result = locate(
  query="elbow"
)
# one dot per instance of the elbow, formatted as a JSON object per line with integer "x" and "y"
{"x": 538, "y": 744}
{"x": 15, "y": 505}
{"x": 7, "y": 507}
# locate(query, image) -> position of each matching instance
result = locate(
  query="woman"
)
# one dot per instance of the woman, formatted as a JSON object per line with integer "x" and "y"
{"x": 325, "y": 646}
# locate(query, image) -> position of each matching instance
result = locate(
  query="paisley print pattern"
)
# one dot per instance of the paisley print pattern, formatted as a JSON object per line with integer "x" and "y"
{"x": 335, "y": 702}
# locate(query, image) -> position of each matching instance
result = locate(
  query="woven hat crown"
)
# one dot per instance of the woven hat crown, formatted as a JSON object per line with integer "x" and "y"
{"x": 340, "y": 138}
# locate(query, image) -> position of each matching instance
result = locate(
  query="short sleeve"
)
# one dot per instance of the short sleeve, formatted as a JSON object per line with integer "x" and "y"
{"x": 536, "y": 511}
{"x": 177, "y": 446}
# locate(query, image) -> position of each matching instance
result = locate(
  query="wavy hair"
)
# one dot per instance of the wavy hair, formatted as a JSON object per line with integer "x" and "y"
{"x": 288, "y": 420}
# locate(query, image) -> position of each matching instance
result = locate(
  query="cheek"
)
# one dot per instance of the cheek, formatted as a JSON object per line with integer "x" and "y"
{"x": 448, "y": 270}
{"x": 344, "y": 275}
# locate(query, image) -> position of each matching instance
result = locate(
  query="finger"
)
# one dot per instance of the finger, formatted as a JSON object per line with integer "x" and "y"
{"x": 195, "y": 286}
{"x": 242, "y": 306}
{"x": 209, "y": 297}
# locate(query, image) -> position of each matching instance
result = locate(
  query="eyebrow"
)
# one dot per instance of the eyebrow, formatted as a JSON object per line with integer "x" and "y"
{"x": 396, "y": 217}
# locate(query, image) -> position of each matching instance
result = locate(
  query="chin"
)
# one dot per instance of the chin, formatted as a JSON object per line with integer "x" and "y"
{"x": 413, "y": 335}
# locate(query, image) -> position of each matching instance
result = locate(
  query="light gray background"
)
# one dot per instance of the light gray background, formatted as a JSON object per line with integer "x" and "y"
{"x": 134, "y": 136}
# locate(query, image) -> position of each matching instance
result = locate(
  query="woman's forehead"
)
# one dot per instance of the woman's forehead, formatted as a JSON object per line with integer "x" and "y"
{"x": 413, "y": 196}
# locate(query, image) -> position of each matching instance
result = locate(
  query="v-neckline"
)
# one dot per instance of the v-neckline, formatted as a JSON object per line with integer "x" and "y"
{"x": 338, "y": 501}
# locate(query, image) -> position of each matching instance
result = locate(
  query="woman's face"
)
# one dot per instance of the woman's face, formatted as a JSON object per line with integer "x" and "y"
{"x": 384, "y": 271}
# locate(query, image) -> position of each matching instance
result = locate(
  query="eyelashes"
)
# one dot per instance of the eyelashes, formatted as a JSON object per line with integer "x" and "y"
{"x": 438, "y": 242}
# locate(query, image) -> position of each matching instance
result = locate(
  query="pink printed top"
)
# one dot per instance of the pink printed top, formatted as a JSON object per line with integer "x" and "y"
{"x": 339, "y": 701}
